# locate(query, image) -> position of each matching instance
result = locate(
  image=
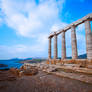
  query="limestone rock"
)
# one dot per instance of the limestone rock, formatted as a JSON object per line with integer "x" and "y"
{"x": 28, "y": 69}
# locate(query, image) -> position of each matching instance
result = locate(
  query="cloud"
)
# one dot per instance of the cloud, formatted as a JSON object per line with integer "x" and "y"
{"x": 32, "y": 20}
{"x": 20, "y": 51}
{"x": 58, "y": 26}
{"x": 1, "y": 21}
{"x": 28, "y": 18}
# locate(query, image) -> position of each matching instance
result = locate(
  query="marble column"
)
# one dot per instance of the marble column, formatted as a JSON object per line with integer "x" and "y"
{"x": 55, "y": 46}
{"x": 88, "y": 39}
{"x": 63, "y": 46}
{"x": 49, "y": 49}
{"x": 74, "y": 43}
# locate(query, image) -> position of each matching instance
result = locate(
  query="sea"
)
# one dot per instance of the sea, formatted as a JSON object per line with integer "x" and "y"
{"x": 7, "y": 64}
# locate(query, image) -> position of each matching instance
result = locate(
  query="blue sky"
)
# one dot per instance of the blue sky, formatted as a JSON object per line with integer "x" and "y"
{"x": 26, "y": 24}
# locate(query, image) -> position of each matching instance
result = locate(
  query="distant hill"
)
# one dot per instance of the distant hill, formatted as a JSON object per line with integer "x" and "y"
{"x": 17, "y": 59}
{"x": 83, "y": 56}
{"x": 27, "y": 60}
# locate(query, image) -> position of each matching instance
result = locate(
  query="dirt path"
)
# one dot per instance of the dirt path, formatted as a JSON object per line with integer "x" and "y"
{"x": 41, "y": 82}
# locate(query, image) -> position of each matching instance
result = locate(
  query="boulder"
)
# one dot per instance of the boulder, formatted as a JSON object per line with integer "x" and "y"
{"x": 28, "y": 69}
{"x": 14, "y": 71}
{"x": 83, "y": 64}
{"x": 31, "y": 71}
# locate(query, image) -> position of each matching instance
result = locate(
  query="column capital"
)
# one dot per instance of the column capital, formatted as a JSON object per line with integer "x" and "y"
{"x": 88, "y": 19}
{"x": 55, "y": 34}
{"x": 49, "y": 38}
{"x": 73, "y": 26}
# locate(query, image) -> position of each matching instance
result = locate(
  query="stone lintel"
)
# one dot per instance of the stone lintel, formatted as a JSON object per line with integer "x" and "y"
{"x": 76, "y": 23}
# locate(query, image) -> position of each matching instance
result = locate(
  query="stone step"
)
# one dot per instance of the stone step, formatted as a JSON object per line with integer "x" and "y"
{"x": 76, "y": 69}
{"x": 80, "y": 77}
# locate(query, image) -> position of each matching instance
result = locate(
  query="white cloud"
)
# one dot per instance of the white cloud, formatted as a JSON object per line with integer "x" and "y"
{"x": 35, "y": 21}
{"x": 28, "y": 18}
{"x": 1, "y": 21}
{"x": 20, "y": 51}
{"x": 58, "y": 26}
{"x": 31, "y": 20}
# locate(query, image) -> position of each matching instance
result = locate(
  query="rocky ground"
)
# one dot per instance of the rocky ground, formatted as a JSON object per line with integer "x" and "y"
{"x": 34, "y": 79}
{"x": 41, "y": 82}
{"x": 73, "y": 71}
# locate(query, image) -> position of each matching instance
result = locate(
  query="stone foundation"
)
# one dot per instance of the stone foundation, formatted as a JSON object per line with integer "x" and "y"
{"x": 81, "y": 62}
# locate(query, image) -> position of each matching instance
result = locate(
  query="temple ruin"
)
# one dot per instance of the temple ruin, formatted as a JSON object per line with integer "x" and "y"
{"x": 86, "y": 20}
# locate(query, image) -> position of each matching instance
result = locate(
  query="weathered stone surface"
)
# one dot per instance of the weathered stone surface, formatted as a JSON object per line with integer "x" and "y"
{"x": 86, "y": 19}
{"x": 74, "y": 43}
{"x": 73, "y": 71}
{"x": 76, "y": 23}
{"x": 32, "y": 71}
{"x": 88, "y": 39}
{"x": 28, "y": 69}
{"x": 55, "y": 46}
{"x": 49, "y": 49}
{"x": 63, "y": 46}
{"x": 83, "y": 64}
{"x": 14, "y": 71}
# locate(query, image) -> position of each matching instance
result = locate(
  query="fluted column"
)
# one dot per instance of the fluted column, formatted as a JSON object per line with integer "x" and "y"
{"x": 63, "y": 46}
{"x": 88, "y": 39}
{"x": 55, "y": 46}
{"x": 74, "y": 43}
{"x": 49, "y": 49}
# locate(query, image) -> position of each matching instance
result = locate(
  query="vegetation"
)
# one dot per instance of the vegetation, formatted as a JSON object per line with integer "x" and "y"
{"x": 32, "y": 61}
